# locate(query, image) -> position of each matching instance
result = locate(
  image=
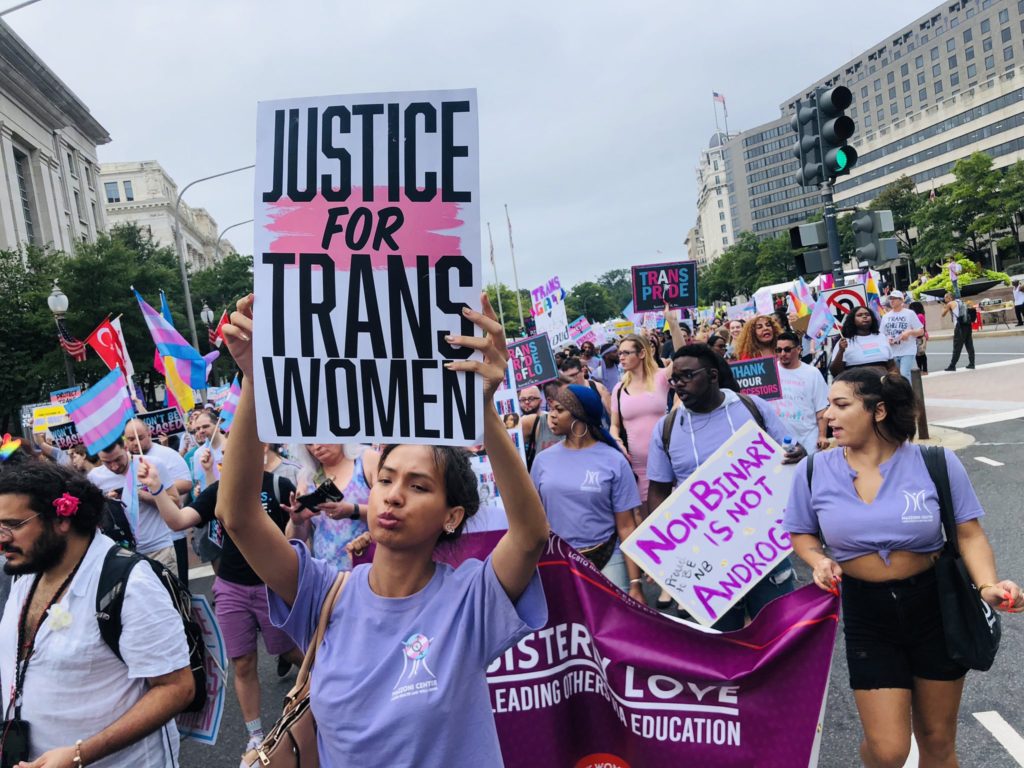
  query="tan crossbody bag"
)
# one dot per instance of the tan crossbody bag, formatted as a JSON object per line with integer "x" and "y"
{"x": 291, "y": 743}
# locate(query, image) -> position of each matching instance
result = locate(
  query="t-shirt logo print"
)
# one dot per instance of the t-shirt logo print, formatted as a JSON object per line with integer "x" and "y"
{"x": 416, "y": 677}
{"x": 592, "y": 482}
{"x": 916, "y": 511}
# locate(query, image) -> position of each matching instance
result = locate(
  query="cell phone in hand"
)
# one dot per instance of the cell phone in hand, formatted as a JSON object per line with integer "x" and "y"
{"x": 326, "y": 492}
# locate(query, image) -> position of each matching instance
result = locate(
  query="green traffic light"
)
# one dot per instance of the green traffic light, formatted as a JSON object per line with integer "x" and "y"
{"x": 841, "y": 160}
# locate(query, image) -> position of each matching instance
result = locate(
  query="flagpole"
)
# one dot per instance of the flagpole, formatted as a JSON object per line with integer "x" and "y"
{"x": 714, "y": 107}
{"x": 497, "y": 285}
{"x": 515, "y": 272}
{"x": 725, "y": 116}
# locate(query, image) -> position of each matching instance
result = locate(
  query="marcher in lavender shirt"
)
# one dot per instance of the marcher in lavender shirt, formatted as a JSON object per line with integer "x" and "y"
{"x": 400, "y": 678}
{"x": 873, "y": 502}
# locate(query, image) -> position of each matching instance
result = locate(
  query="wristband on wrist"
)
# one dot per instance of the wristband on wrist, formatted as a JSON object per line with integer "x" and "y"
{"x": 983, "y": 587}
{"x": 157, "y": 492}
{"x": 636, "y": 581}
{"x": 355, "y": 512}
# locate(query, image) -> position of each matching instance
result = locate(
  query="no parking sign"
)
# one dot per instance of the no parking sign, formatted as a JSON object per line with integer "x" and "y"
{"x": 843, "y": 300}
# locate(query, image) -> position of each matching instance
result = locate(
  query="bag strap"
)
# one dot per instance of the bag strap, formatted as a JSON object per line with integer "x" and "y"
{"x": 935, "y": 461}
{"x": 117, "y": 567}
{"x": 755, "y": 412}
{"x": 302, "y": 678}
{"x": 666, "y": 428}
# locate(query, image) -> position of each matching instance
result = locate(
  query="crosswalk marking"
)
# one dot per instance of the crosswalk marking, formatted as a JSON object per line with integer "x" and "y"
{"x": 1004, "y": 733}
{"x": 990, "y": 462}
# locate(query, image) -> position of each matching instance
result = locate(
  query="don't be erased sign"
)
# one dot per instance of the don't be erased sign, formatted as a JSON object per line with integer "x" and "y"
{"x": 720, "y": 532}
{"x": 367, "y": 240}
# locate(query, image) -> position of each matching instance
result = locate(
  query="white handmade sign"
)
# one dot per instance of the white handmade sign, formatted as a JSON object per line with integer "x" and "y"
{"x": 720, "y": 532}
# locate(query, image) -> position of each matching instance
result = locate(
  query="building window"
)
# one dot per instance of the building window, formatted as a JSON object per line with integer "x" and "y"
{"x": 969, "y": 53}
{"x": 919, "y": 62}
{"x": 972, "y": 70}
{"x": 922, "y": 95}
{"x": 920, "y": 78}
{"x": 725, "y": 241}
{"x": 723, "y": 228}
{"x": 878, "y": 100}
{"x": 877, "y": 85}
{"x": 893, "y": 110}
{"x": 952, "y": 62}
{"x": 936, "y": 70}
{"x": 113, "y": 195}
{"x": 867, "y": 121}
{"x": 950, "y": 44}
{"x": 906, "y": 86}
{"x": 24, "y": 175}
{"x": 969, "y": 34}
{"x": 79, "y": 208}
{"x": 95, "y": 216}
{"x": 1004, "y": 16}
{"x": 934, "y": 53}
{"x": 129, "y": 195}
{"x": 907, "y": 101}
{"x": 1020, "y": 7}
{"x": 864, "y": 90}
{"x": 892, "y": 93}
{"x": 1004, "y": 34}
{"x": 1008, "y": 53}
{"x": 88, "y": 175}
{"x": 986, "y": 26}
{"x": 72, "y": 166}
{"x": 890, "y": 78}
{"x": 905, "y": 69}
{"x": 970, "y": 13}
{"x": 937, "y": 87}
{"x": 986, "y": 44}
{"x": 715, "y": 163}
{"x": 990, "y": 62}
{"x": 954, "y": 80}
{"x": 721, "y": 215}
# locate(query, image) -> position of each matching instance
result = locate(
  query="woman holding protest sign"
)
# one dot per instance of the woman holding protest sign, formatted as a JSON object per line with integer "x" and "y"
{"x": 860, "y": 344}
{"x": 876, "y": 504}
{"x": 587, "y": 486}
{"x": 757, "y": 338}
{"x": 370, "y": 674}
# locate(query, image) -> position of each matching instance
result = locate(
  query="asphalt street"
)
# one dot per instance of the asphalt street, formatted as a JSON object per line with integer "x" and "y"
{"x": 988, "y": 349}
{"x": 996, "y": 691}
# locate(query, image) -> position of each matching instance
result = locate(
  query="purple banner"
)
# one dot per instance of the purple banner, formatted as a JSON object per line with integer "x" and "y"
{"x": 611, "y": 683}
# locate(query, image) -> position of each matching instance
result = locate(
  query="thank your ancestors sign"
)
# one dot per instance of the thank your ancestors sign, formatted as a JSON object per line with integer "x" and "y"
{"x": 367, "y": 240}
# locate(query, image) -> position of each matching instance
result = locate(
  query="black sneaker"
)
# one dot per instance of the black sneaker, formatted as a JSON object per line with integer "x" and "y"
{"x": 283, "y": 666}
{"x": 951, "y": 368}
{"x": 970, "y": 367}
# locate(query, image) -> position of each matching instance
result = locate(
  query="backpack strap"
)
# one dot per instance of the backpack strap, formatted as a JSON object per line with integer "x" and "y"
{"x": 755, "y": 412}
{"x": 666, "y": 428}
{"x": 810, "y": 470}
{"x": 531, "y": 449}
{"x": 117, "y": 567}
{"x": 935, "y": 461}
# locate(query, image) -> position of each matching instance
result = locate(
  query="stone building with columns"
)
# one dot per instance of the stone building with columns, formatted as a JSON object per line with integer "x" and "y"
{"x": 50, "y": 195}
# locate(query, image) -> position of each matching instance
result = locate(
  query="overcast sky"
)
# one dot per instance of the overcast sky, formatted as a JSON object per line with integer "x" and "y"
{"x": 592, "y": 113}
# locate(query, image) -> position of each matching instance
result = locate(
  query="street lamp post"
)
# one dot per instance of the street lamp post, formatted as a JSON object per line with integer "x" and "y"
{"x": 58, "y": 304}
{"x": 179, "y": 244}
{"x": 216, "y": 248}
{"x": 206, "y": 314}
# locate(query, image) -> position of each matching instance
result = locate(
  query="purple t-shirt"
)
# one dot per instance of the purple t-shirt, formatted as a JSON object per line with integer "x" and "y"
{"x": 695, "y": 436}
{"x": 903, "y": 517}
{"x": 402, "y": 681}
{"x": 582, "y": 490}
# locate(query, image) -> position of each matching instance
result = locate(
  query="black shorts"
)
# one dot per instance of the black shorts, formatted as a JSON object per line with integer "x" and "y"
{"x": 893, "y": 633}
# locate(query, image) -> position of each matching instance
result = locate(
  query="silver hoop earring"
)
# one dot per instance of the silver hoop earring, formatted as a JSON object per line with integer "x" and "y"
{"x": 572, "y": 430}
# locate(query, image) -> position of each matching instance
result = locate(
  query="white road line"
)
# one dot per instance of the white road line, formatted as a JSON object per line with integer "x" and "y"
{"x": 1011, "y": 740}
{"x": 914, "y": 757}
{"x": 200, "y": 572}
{"x": 977, "y": 421}
{"x": 990, "y": 462}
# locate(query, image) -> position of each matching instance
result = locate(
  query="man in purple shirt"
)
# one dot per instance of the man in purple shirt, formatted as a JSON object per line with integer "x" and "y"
{"x": 707, "y": 419}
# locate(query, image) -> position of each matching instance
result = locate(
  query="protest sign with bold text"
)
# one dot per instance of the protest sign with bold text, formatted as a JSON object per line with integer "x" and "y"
{"x": 654, "y": 285}
{"x": 549, "y": 313}
{"x": 720, "y": 532}
{"x": 367, "y": 241}
{"x": 61, "y": 396}
{"x": 532, "y": 361}
{"x": 758, "y": 376}
{"x": 166, "y": 421}
{"x": 46, "y": 416}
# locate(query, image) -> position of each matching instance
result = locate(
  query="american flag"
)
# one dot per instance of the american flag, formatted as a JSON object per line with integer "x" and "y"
{"x": 716, "y": 96}
{"x": 71, "y": 345}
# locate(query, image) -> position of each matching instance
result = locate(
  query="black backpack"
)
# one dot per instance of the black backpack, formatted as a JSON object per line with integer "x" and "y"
{"x": 117, "y": 567}
{"x": 114, "y": 524}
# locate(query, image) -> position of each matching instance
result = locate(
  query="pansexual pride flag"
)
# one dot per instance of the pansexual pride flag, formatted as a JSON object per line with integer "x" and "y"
{"x": 227, "y": 411}
{"x": 101, "y": 412}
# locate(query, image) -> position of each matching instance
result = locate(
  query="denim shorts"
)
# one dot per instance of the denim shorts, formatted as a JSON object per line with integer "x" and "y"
{"x": 893, "y": 633}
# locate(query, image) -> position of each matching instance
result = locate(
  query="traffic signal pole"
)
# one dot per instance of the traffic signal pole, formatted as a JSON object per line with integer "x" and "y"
{"x": 832, "y": 233}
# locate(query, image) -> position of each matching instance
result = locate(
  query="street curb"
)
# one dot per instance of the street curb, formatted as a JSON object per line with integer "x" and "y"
{"x": 953, "y": 439}
{"x": 945, "y": 335}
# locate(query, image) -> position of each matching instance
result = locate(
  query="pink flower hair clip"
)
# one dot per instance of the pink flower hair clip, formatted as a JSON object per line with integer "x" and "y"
{"x": 66, "y": 505}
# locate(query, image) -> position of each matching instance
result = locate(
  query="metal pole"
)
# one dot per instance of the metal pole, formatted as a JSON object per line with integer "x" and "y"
{"x": 497, "y": 285}
{"x": 69, "y": 368}
{"x": 515, "y": 272}
{"x": 922, "y": 414}
{"x": 180, "y": 246}
{"x": 216, "y": 247}
{"x": 832, "y": 234}
{"x": 16, "y": 7}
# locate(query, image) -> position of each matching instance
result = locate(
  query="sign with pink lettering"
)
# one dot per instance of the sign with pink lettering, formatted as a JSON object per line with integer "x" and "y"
{"x": 720, "y": 532}
{"x": 203, "y": 726}
{"x": 367, "y": 243}
{"x": 674, "y": 283}
{"x": 609, "y": 683}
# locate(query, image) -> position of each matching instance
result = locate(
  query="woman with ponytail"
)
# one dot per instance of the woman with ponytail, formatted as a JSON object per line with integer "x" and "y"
{"x": 873, "y": 500}
{"x": 587, "y": 486}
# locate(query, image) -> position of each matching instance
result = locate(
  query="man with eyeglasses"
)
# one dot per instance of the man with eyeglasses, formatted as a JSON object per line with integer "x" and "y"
{"x": 708, "y": 417}
{"x": 529, "y": 400}
{"x": 804, "y": 395}
{"x": 153, "y": 538}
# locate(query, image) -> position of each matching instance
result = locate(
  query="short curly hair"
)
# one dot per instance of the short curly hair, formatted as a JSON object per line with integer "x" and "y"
{"x": 43, "y": 483}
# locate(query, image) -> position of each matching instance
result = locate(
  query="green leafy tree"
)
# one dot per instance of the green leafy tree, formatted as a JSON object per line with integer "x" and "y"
{"x": 509, "y": 307}
{"x": 592, "y": 301}
{"x": 1010, "y": 204}
{"x": 619, "y": 284}
{"x": 901, "y": 198}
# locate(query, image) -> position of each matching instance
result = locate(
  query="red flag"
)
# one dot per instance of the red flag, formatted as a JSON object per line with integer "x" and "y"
{"x": 216, "y": 335}
{"x": 71, "y": 345}
{"x": 107, "y": 344}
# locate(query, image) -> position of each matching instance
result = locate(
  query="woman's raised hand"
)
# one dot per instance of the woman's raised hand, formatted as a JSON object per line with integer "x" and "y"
{"x": 238, "y": 335}
{"x": 492, "y": 345}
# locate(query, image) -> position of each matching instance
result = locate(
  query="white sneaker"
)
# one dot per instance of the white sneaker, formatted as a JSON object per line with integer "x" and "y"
{"x": 254, "y": 741}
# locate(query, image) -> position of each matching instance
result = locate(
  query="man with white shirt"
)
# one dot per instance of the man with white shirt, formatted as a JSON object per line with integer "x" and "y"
{"x": 78, "y": 702}
{"x": 804, "y": 395}
{"x": 901, "y": 327}
{"x": 1018, "y": 302}
{"x": 138, "y": 439}
{"x": 153, "y": 537}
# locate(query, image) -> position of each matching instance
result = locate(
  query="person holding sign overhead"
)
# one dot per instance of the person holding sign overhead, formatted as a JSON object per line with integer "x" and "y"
{"x": 860, "y": 343}
{"x": 400, "y": 678}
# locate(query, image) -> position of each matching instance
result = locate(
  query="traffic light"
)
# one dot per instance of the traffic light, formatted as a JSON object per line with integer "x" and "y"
{"x": 834, "y": 128}
{"x": 869, "y": 245}
{"x": 815, "y": 261}
{"x": 807, "y": 148}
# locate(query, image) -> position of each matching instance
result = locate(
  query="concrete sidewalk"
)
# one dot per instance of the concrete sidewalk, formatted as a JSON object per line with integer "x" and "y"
{"x": 967, "y": 398}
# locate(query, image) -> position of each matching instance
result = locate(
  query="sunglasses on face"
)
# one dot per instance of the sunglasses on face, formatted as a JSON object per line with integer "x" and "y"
{"x": 783, "y": 350}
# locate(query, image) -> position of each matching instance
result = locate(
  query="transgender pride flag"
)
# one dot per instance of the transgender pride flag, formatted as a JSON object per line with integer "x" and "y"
{"x": 102, "y": 411}
{"x": 227, "y": 411}
{"x": 190, "y": 365}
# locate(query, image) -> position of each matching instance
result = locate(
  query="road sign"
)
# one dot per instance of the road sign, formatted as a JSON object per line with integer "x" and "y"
{"x": 843, "y": 300}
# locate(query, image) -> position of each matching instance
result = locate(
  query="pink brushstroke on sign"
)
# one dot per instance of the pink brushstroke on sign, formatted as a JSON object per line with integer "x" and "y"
{"x": 300, "y": 228}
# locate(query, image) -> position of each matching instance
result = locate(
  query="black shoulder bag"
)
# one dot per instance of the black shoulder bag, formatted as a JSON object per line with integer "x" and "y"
{"x": 971, "y": 625}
